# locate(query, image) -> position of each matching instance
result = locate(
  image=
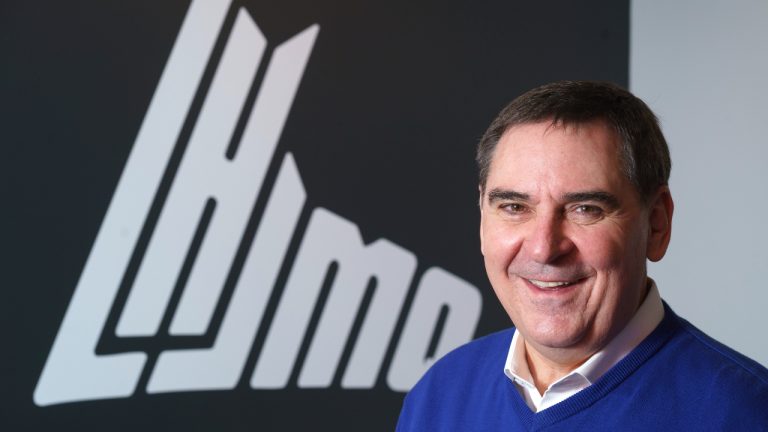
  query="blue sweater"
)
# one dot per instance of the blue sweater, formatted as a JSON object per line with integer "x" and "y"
{"x": 677, "y": 379}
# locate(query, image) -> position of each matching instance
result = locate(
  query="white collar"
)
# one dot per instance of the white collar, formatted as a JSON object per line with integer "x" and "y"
{"x": 645, "y": 320}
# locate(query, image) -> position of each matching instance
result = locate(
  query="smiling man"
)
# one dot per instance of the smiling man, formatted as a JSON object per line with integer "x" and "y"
{"x": 574, "y": 201}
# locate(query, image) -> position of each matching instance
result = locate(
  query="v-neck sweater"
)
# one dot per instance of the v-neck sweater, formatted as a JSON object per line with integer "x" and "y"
{"x": 677, "y": 378}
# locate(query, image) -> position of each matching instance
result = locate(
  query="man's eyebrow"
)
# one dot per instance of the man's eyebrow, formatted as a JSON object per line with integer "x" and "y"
{"x": 506, "y": 195}
{"x": 596, "y": 196}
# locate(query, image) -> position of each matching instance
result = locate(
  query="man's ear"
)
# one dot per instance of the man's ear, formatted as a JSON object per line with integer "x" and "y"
{"x": 660, "y": 212}
{"x": 480, "y": 205}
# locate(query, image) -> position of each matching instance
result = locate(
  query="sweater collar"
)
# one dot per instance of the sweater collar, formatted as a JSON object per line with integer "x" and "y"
{"x": 646, "y": 319}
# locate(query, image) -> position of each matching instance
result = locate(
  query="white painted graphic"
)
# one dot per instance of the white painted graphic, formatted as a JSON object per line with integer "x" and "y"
{"x": 74, "y": 372}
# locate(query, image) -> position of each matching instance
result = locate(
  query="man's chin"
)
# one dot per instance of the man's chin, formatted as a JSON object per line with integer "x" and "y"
{"x": 553, "y": 337}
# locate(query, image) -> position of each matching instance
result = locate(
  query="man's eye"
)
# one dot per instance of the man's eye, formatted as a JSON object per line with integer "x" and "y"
{"x": 588, "y": 212}
{"x": 513, "y": 208}
{"x": 588, "y": 209}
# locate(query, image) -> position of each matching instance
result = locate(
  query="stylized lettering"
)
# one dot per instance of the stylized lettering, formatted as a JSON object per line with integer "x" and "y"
{"x": 204, "y": 172}
{"x": 220, "y": 367}
{"x": 437, "y": 288}
{"x": 380, "y": 271}
{"x": 329, "y": 238}
{"x": 73, "y": 371}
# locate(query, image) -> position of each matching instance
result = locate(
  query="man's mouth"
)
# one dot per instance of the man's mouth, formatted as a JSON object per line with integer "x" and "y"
{"x": 551, "y": 285}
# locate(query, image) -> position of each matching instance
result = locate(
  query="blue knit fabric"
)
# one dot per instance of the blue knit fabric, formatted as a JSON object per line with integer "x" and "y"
{"x": 677, "y": 379}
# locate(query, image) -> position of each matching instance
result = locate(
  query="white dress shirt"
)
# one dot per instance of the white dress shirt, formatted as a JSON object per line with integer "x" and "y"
{"x": 647, "y": 317}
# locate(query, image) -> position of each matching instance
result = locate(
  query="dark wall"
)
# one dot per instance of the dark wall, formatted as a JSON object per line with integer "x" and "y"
{"x": 382, "y": 127}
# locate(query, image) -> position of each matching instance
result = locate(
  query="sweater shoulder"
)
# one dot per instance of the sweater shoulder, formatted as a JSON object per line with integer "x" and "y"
{"x": 479, "y": 362}
{"x": 727, "y": 357}
{"x": 463, "y": 390}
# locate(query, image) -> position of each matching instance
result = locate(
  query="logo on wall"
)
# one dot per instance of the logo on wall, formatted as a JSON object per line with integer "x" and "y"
{"x": 222, "y": 184}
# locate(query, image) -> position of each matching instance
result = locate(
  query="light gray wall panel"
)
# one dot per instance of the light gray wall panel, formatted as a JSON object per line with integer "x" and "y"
{"x": 702, "y": 67}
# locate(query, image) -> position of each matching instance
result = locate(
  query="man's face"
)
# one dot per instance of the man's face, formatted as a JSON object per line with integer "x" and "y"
{"x": 564, "y": 235}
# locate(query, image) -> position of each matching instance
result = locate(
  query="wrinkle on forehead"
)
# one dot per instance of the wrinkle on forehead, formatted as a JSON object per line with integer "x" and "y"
{"x": 558, "y": 162}
{"x": 569, "y": 158}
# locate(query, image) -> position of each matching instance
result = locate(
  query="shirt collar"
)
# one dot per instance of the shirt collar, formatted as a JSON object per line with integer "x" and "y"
{"x": 645, "y": 320}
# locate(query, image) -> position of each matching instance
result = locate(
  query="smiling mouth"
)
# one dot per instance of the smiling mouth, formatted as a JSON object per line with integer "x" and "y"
{"x": 551, "y": 285}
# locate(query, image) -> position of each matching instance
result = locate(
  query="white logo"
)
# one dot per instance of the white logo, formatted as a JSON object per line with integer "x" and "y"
{"x": 227, "y": 188}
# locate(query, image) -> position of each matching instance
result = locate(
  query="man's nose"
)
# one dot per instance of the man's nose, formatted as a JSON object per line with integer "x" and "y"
{"x": 548, "y": 240}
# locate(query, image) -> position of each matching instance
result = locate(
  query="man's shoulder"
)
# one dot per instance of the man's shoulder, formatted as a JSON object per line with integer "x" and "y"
{"x": 706, "y": 379}
{"x": 476, "y": 362}
{"x": 723, "y": 362}
{"x": 464, "y": 389}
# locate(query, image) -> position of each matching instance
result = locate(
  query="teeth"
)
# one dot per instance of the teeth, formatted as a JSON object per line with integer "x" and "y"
{"x": 542, "y": 284}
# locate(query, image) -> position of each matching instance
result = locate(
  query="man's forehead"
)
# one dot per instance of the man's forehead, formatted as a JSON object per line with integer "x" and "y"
{"x": 540, "y": 137}
{"x": 558, "y": 159}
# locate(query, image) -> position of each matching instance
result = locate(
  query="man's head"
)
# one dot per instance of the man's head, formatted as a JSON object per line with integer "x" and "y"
{"x": 643, "y": 151}
{"x": 572, "y": 205}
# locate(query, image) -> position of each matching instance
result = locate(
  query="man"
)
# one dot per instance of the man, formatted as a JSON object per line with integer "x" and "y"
{"x": 573, "y": 200}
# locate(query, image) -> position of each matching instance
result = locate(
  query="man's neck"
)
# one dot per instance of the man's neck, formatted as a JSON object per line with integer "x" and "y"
{"x": 546, "y": 369}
